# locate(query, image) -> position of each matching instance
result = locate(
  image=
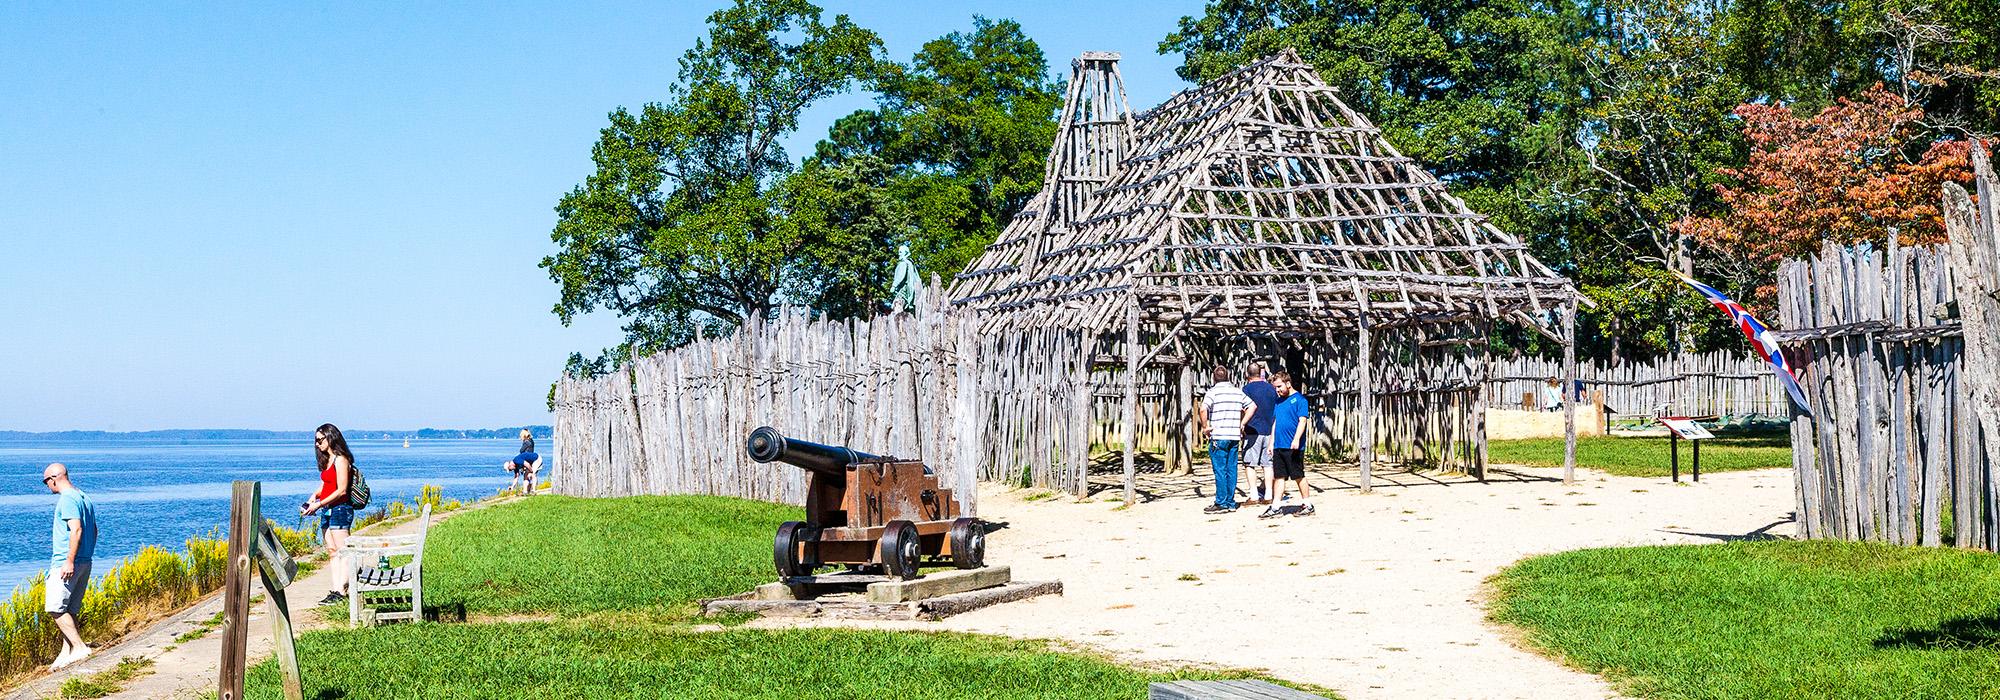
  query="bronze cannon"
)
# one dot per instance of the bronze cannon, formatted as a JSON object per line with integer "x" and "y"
{"x": 868, "y": 512}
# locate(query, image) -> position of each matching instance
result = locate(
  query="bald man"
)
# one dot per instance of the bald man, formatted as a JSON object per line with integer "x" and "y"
{"x": 75, "y": 540}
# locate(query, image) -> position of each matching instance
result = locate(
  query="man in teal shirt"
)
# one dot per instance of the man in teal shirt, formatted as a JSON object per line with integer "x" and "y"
{"x": 74, "y": 539}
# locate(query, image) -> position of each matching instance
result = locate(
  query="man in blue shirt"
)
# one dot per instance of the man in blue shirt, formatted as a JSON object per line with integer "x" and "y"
{"x": 73, "y": 537}
{"x": 1288, "y": 456}
{"x": 1257, "y": 433}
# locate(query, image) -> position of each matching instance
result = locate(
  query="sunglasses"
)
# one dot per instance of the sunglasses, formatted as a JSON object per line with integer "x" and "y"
{"x": 48, "y": 479}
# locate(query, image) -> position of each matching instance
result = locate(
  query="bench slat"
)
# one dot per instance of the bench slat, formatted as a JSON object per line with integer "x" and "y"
{"x": 1225, "y": 690}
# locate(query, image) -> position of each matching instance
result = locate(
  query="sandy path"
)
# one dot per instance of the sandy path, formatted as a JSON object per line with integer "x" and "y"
{"x": 1401, "y": 618}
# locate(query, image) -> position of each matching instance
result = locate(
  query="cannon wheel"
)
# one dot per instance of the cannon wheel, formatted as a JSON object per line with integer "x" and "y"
{"x": 968, "y": 543}
{"x": 785, "y": 550}
{"x": 901, "y": 549}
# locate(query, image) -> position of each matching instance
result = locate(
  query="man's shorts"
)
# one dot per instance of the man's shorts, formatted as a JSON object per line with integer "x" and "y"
{"x": 67, "y": 596}
{"x": 1257, "y": 451}
{"x": 1288, "y": 464}
{"x": 340, "y": 517}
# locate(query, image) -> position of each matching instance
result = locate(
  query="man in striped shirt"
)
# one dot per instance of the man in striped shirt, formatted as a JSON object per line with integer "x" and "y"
{"x": 1221, "y": 414}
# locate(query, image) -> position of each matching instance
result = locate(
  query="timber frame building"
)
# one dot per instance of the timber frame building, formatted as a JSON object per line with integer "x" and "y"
{"x": 1258, "y": 216}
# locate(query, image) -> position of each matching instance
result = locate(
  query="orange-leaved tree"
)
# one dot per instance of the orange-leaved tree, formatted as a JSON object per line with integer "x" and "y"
{"x": 1854, "y": 172}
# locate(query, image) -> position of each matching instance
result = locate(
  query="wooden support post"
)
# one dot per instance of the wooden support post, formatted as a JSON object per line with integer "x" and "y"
{"x": 1181, "y": 427}
{"x": 281, "y": 623}
{"x": 1569, "y": 392}
{"x": 244, "y": 521}
{"x": 1479, "y": 401}
{"x": 1131, "y": 399}
{"x": 1365, "y": 407}
{"x": 253, "y": 545}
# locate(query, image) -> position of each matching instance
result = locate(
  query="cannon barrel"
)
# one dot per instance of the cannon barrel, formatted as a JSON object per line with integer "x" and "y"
{"x": 766, "y": 444}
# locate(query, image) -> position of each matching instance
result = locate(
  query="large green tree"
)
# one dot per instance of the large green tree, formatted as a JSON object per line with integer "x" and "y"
{"x": 1942, "y": 55}
{"x": 1482, "y": 93}
{"x": 966, "y": 127}
{"x": 689, "y": 217}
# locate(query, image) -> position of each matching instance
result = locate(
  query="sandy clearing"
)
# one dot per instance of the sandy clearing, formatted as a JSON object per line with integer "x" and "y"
{"x": 1401, "y": 618}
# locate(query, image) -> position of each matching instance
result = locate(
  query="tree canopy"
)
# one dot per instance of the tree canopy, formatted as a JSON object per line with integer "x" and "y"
{"x": 690, "y": 216}
{"x": 966, "y": 127}
{"x": 1600, "y": 129}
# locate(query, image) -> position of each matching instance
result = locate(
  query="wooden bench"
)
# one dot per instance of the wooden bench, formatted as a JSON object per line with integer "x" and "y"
{"x": 364, "y": 575}
{"x": 1225, "y": 690}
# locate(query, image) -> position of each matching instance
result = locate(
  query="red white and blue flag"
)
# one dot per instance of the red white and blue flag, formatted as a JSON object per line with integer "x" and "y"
{"x": 1760, "y": 338}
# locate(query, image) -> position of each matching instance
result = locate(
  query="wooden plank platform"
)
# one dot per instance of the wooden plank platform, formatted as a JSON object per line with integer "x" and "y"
{"x": 1225, "y": 690}
{"x": 854, "y": 606}
{"x": 939, "y": 584}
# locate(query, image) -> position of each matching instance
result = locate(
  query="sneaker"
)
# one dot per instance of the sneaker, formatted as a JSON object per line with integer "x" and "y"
{"x": 1229, "y": 509}
{"x": 1304, "y": 510}
{"x": 1213, "y": 509}
{"x": 333, "y": 597}
{"x": 70, "y": 657}
{"x": 1269, "y": 513}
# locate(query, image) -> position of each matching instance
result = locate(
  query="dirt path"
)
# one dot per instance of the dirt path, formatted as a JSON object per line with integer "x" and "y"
{"x": 1377, "y": 596}
{"x": 186, "y": 669}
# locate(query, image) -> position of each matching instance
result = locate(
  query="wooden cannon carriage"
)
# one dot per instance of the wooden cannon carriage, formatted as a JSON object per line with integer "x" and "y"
{"x": 877, "y": 514}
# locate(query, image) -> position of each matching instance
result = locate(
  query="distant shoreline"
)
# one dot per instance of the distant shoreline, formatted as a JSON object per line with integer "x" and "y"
{"x": 539, "y": 431}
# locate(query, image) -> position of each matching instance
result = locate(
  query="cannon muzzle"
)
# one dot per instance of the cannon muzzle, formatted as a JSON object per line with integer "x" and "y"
{"x": 767, "y": 445}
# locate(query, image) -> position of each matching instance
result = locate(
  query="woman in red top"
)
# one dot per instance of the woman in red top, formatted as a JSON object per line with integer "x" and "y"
{"x": 336, "y": 517}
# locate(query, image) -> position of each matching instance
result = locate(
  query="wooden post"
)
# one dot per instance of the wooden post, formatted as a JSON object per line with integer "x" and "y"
{"x": 1479, "y": 401}
{"x": 1185, "y": 446}
{"x": 1569, "y": 392}
{"x": 1131, "y": 398}
{"x": 1365, "y": 407}
{"x": 253, "y": 545}
{"x": 244, "y": 521}
{"x": 276, "y": 569}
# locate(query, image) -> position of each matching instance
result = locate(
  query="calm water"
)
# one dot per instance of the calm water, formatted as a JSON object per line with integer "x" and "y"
{"x": 163, "y": 492}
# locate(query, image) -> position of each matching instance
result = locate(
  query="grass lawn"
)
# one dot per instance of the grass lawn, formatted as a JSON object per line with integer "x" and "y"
{"x": 572, "y": 660}
{"x": 616, "y": 580}
{"x": 1647, "y": 456}
{"x": 1766, "y": 619}
{"x": 556, "y": 554}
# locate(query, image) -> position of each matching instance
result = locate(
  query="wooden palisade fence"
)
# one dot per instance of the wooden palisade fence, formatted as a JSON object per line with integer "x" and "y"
{"x": 921, "y": 384}
{"x": 1705, "y": 384}
{"x": 1899, "y": 363}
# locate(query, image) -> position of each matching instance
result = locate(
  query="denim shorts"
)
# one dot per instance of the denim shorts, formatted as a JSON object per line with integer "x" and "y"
{"x": 340, "y": 517}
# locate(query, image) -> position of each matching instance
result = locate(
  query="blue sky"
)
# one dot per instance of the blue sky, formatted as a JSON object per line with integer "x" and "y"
{"x": 276, "y": 215}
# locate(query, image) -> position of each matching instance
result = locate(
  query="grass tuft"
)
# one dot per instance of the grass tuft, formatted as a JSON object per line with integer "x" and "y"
{"x": 106, "y": 682}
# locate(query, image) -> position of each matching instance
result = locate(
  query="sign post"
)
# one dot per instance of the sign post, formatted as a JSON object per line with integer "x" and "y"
{"x": 1684, "y": 428}
{"x": 252, "y": 543}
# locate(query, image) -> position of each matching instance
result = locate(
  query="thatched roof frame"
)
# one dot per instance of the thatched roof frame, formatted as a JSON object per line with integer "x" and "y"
{"x": 1255, "y": 202}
